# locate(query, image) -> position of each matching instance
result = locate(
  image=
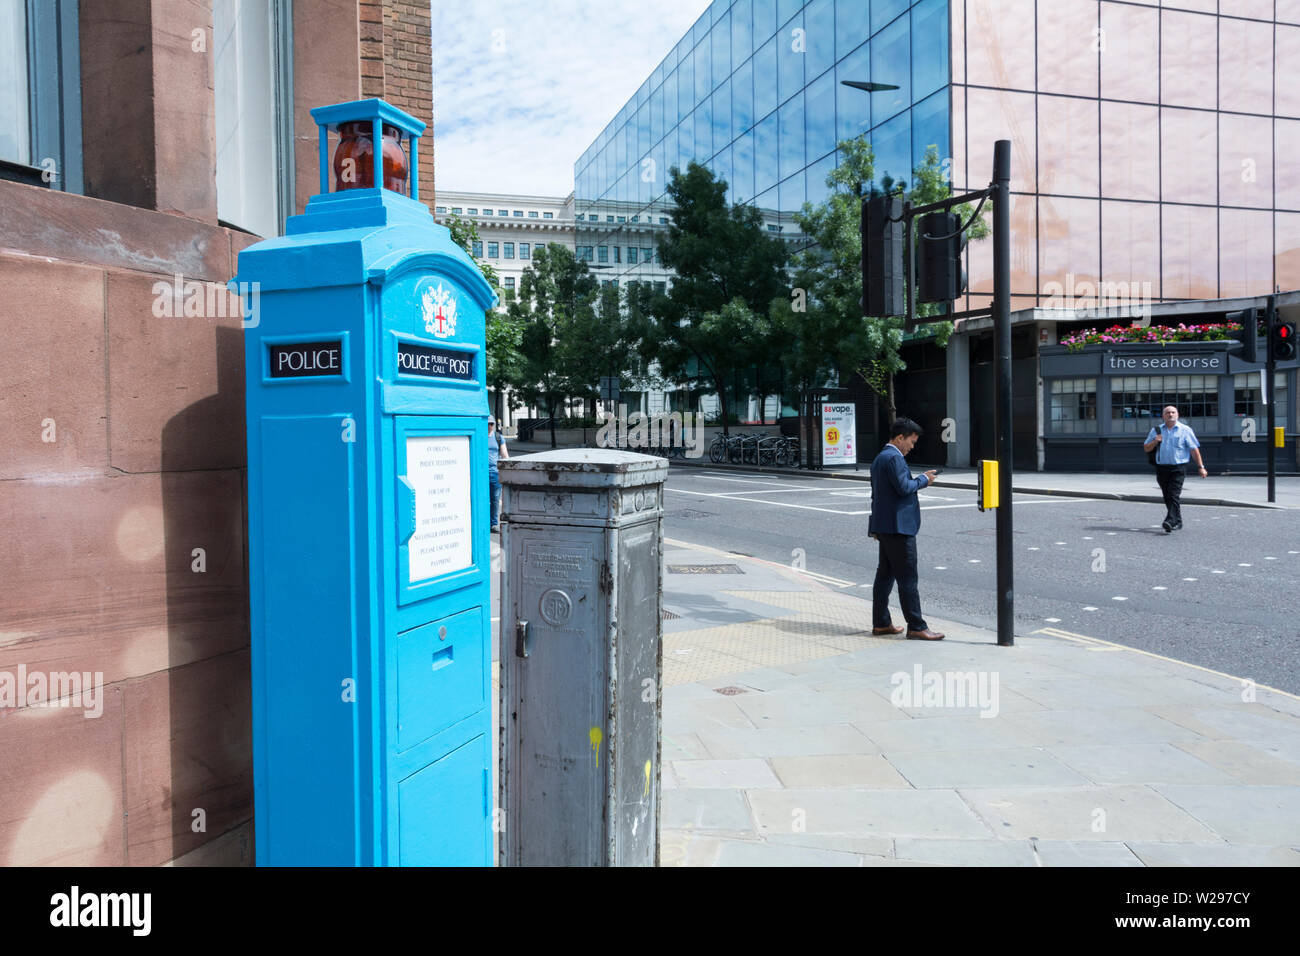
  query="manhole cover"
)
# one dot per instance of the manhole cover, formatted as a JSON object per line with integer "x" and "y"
{"x": 668, "y": 615}
{"x": 689, "y": 513}
{"x": 704, "y": 569}
{"x": 729, "y": 691}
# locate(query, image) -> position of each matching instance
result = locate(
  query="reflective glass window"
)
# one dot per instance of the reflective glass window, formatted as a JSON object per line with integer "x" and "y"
{"x": 792, "y": 137}
{"x": 602, "y": 254}
{"x": 476, "y": 248}
{"x": 1243, "y": 88}
{"x": 790, "y": 194}
{"x": 703, "y": 71}
{"x": 1246, "y": 161}
{"x": 1130, "y": 167}
{"x": 686, "y": 141}
{"x": 657, "y": 115}
{"x": 765, "y": 154}
{"x": 1068, "y": 48}
{"x": 1287, "y": 134}
{"x": 1189, "y": 252}
{"x": 929, "y": 47}
{"x": 930, "y": 128}
{"x": 768, "y": 201}
{"x": 785, "y": 9}
{"x": 671, "y": 112}
{"x": 1074, "y": 406}
{"x": 742, "y": 99}
{"x": 720, "y": 38}
{"x": 525, "y": 250}
{"x": 1245, "y": 252}
{"x": 820, "y": 116}
{"x": 1067, "y": 156}
{"x": 722, "y": 170}
{"x": 1188, "y": 170}
{"x": 1069, "y": 249}
{"x": 1188, "y": 48}
{"x": 1130, "y": 57}
{"x": 764, "y": 20}
{"x": 1247, "y": 402}
{"x": 1130, "y": 251}
{"x": 884, "y": 11}
{"x": 720, "y": 110}
{"x": 642, "y": 131}
{"x": 1024, "y": 263}
{"x": 892, "y": 144}
{"x": 999, "y": 44}
{"x": 685, "y": 86}
{"x": 1287, "y": 45}
{"x": 493, "y": 250}
{"x": 507, "y": 250}
{"x": 852, "y": 26}
{"x": 815, "y": 180}
{"x": 819, "y": 28}
{"x": 1287, "y": 258}
{"x": 853, "y": 107}
{"x": 742, "y": 158}
{"x": 703, "y": 131}
{"x": 765, "y": 82}
{"x": 791, "y": 51}
{"x": 997, "y": 114}
{"x": 742, "y": 33}
{"x": 701, "y": 28}
{"x": 891, "y": 62}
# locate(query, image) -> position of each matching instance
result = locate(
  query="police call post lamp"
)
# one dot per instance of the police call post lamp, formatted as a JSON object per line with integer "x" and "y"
{"x": 890, "y": 288}
{"x": 369, "y": 560}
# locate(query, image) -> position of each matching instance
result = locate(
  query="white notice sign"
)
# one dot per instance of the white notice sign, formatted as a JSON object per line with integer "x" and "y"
{"x": 438, "y": 470}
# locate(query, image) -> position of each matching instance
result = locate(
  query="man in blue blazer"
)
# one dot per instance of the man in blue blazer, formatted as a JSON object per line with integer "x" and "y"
{"x": 895, "y": 520}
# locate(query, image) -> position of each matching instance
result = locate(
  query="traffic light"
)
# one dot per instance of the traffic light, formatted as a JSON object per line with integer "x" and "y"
{"x": 1248, "y": 319}
{"x": 942, "y": 276}
{"x": 882, "y": 256}
{"x": 1282, "y": 344}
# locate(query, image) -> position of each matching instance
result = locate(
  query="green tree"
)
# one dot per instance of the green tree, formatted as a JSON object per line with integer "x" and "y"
{"x": 556, "y": 295}
{"x": 594, "y": 343}
{"x": 830, "y": 334}
{"x": 714, "y": 321}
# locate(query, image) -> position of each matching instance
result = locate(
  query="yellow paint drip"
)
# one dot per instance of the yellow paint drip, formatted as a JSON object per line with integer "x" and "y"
{"x": 595, "y": 736}
{"x": 647, "y": 779}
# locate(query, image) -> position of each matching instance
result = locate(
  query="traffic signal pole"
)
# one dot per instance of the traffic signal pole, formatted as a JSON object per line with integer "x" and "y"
{"x": 1002, "y": 363}
{"x": 1270, "y": 366}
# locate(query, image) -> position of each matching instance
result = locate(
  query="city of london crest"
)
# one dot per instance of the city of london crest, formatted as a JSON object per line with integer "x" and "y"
{"x": 438, "y": 308}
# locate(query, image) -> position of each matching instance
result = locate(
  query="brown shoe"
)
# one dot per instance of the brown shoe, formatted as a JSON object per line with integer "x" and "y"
{"x": 877, "y": 631}
{"x": 924, "y": 636}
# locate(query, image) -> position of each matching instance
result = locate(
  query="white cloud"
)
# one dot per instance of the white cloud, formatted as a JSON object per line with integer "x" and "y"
{"x": 520, "y": 89}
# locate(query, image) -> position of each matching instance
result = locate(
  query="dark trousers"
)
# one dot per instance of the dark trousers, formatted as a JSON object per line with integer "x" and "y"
{"x": 1170, "y": 478}
{"x": 494, "y": 491}
{"x": 897, "y": 562}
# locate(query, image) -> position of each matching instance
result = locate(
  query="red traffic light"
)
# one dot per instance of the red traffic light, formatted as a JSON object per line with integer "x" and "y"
{"x": 1284, "y": 331}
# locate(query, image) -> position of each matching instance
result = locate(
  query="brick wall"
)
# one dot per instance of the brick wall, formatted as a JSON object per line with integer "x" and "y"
{"x": 408, "y": 72}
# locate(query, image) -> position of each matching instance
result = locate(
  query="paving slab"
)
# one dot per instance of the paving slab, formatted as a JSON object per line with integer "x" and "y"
{"x": 1178, "y": 854}
{"x": 864, "y": 813}
{"x": 854, "y": 771}
{"x": 1008, "y": 767}
{"x": 744, "y": 774}
{"x": 1245, "y": 762}
{"x": 966, "y": 852}
{"x": 1078, "y": 728}
{"x": 1140, "y": 763}
{"x": 692, "y": 809}
{"x": 738, "y": 853}
{"x": 1079, "y": 814}
{"x": 863, "y": 846}
{"x": 1065, "y": 853}
{"x": 727, "y": 742}
{"x": 680, "y": 745}
{"x": 946, "y": 734}
{"x": 1241, "y": 814}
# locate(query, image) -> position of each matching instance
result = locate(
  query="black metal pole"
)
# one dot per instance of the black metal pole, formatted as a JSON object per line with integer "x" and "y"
{"x": 1002, "y": 353}
{"x": 1269, "y": 372}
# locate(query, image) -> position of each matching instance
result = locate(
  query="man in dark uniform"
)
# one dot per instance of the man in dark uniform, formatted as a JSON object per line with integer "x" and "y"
{"x": 895, "y": 520}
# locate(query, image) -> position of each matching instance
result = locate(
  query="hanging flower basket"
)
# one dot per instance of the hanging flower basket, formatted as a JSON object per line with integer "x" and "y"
{"x": 1152, "y": 335}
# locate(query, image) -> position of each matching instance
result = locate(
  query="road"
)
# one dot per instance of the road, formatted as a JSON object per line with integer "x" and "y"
{"x": 1222, "y": 593}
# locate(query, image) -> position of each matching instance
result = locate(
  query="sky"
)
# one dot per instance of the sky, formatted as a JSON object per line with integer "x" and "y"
{"x": 521, "y": 88}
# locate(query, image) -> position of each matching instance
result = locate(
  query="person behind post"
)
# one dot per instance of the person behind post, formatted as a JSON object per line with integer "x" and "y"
{"x": 496, "y": 448}
{"x": 1175, "y": 443}
{"x": 895, "y": 520}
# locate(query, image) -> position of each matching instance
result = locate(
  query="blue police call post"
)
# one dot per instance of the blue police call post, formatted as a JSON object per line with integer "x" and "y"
{"x": 369, "y": 559}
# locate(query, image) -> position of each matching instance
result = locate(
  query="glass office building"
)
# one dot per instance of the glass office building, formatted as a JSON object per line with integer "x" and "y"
{"x": 1153, "y": 144}
{"x": 753, "y": 92}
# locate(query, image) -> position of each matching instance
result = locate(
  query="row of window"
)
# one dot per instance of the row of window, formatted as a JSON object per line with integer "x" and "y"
{"x": 472, "y": 211}
{"x": 595, "y": 217}
{"x": 635, "y": 254}
{"x": 1137, "y": 402}
{"x": 502, "y": 250}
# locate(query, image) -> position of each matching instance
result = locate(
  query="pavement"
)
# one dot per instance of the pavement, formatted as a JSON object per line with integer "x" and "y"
{"x": 792, "y": 737}
{"x": 1237, "y": 491}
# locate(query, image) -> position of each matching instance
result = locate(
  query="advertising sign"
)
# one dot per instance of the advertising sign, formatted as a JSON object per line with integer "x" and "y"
{"x": 838, "y": 431}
